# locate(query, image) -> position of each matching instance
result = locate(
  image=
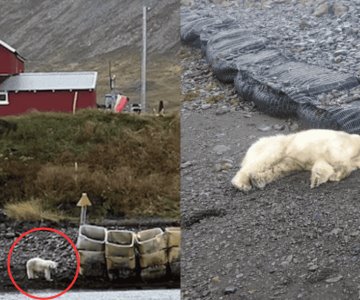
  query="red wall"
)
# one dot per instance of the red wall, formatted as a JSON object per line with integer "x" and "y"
{"x": 10, "y": 63}
{"x": 60, "y": 101}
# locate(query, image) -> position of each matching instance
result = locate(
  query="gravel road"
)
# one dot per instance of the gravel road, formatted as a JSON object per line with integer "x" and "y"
{"x": 284, "y": 242}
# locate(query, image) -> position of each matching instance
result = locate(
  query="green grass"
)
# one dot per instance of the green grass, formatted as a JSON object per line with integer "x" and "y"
{"x": 128, "y": 164}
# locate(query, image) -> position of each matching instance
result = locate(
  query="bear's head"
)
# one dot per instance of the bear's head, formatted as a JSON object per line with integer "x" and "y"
{"x": 53, "y": 265}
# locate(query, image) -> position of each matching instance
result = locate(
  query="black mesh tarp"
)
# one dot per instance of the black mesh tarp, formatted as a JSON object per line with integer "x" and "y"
{"x": 278, "y": 85}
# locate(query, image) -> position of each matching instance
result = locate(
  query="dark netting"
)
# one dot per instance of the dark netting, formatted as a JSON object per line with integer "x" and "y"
{"x": 190, "y": 32}
{"x": 269, "y": 99}
{"x": 279, "y": 89}
{"x": 226, "y": 69}
{"x": 312, "y": 116}
{"x": 213, "y": 29}
{"x": 231, "y": 42}
{"x": 242, "y": 45}
{"x": 310, "y": 79}
{"x": 277, "y": 85}
{"x": 348, "y": 118}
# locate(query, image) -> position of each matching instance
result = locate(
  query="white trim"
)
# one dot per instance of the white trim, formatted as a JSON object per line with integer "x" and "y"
{"x": 95, "y": 79}
{"x": 7, "y": 46}
{"x": 50, "y": 81}
{"x": 11, "y": 49}
{"x": 6, "y": 101}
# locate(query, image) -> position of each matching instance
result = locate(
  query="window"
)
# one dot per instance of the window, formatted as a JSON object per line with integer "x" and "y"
{"x": 4, "y": 100}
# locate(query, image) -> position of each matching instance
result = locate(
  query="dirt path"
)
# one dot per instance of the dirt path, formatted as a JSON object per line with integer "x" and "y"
{"x": 284, "y": 242}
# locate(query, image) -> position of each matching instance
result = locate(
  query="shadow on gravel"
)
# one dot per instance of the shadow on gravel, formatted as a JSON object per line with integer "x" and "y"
{"x": 200, "y": 215}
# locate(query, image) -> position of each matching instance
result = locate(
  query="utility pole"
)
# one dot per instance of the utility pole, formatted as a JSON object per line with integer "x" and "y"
{"x": 143, "y": 65}
{"x": 110, "y": 76}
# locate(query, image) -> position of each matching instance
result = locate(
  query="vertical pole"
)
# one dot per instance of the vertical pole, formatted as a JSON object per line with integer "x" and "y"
{"x": 83, "y": 215}
{"x": 143, "y": 66}
{"x": 110, "y": 76}
{"x": 75, "y": 102}
{"x": 76, "y": 173}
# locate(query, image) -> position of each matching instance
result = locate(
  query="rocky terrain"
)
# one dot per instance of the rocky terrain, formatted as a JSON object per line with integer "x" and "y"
{"x": 318, "y": 32}
{"x": 83, "y": 29}
{"x": 284, "y": 242}
{"x": 48, "y": 245}
{"x": 293, "y": 58}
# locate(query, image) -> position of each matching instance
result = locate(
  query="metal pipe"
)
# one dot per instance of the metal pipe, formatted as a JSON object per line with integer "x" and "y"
{"x": 143, "y": 65}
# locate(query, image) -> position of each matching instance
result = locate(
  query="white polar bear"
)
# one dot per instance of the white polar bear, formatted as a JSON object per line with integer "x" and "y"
{"x": 38, "y": 265}
{"x": 328, "y": 154}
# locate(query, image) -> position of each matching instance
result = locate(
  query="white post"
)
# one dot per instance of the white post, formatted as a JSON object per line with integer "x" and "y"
{"x": 83, "y": 215}
{"x": 76, "y": 173}
{"x": 75, "y": 102}
{"x": 143, "y": 65}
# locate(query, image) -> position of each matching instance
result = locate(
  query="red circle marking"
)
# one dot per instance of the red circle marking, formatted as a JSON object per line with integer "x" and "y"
{"x": 59, "y": 233}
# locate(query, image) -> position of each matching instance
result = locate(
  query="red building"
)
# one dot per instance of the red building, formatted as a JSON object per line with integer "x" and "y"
{"x": 59, "y": 91}
{"x": 10, "y": 61}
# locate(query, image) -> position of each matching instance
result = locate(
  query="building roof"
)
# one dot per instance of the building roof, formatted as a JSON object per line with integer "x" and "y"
{"x": 50, "y": 81}
{"x": 11, "y": 49}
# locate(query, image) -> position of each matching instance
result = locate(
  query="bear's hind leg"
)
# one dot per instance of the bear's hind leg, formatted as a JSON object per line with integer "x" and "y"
{"x": 341, "y": 171}
{"x": 278, "y": 170}
{"x": 321, "y": 172}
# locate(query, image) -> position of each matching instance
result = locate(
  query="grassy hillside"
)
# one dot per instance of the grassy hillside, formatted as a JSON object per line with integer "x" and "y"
{"x": 128, "y": 164}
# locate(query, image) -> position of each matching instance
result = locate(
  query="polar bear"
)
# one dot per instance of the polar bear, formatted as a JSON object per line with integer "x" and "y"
{"x": 38, "y": 265}
{"x": 330, "y": 156}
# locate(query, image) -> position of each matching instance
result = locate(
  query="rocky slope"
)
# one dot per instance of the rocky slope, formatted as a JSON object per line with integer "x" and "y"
{"x": 85, "y": 35}
{"x": 69, "y": 31}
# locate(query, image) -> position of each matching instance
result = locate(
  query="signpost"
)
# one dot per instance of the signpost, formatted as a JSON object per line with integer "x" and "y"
{"x": 84, "y": 202}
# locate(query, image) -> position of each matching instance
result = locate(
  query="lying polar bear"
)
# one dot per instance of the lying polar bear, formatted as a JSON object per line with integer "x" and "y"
{"x": 38, "y": 265}
{"x": 330, "y": 156}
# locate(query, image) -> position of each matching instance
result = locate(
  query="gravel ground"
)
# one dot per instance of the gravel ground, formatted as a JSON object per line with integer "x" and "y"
{"x": 48, "y": 245}
{"x": 284, "y": 242}
{"x": 320, "y": 32}
{"x": 317, "y": 32}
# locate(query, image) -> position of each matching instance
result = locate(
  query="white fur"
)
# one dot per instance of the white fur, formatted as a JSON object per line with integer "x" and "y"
{"x": 37, "y": 265}
{"x": 330, "y": 156}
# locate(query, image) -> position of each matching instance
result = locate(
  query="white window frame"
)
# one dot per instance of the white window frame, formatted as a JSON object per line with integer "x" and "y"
{"x": 6, "y": 101}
